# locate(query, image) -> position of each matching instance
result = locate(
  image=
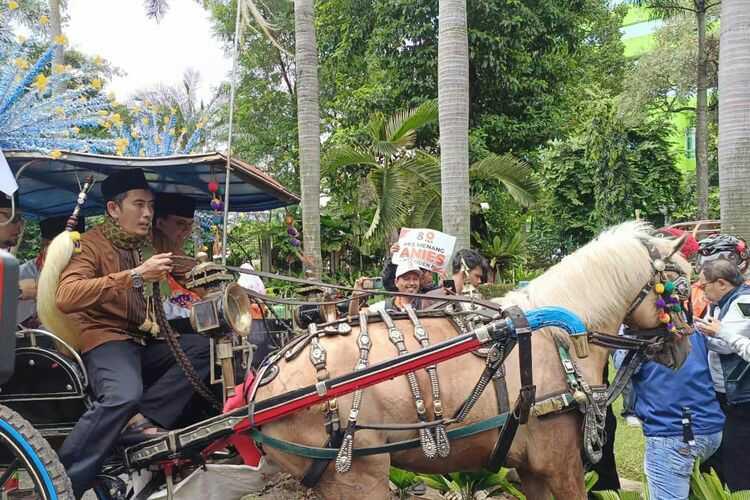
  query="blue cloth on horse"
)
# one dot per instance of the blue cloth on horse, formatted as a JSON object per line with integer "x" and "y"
{"x": 662, "y": 393}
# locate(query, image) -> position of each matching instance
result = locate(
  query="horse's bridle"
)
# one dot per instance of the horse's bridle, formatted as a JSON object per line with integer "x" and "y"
{"x": 651, "y": 339}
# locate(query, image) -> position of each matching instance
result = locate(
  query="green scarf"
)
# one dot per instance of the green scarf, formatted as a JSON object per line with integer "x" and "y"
{"x": 120, "y": 238}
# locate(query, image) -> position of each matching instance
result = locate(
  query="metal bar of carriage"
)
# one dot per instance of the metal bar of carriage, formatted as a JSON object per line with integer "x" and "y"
{"x": 207, "y": 436}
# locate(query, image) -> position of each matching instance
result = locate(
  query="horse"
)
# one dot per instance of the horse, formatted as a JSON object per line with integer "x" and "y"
{"x": 601, "y": 282}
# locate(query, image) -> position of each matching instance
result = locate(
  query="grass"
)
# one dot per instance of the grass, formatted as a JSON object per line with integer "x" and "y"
{"x": 629, "y": 444}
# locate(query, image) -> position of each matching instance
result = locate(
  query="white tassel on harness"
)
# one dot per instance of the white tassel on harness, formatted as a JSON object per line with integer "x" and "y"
{"x": 58, "y": 256}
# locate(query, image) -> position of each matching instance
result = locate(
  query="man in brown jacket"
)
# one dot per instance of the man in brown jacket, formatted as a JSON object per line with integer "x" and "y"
{"x": 134, "y": 378}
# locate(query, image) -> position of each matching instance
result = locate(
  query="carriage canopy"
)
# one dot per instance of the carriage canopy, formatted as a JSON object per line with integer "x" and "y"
{"x": 49, "y": 186}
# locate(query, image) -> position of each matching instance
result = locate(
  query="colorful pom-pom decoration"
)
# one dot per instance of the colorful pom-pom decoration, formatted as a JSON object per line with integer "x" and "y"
{"x": 664, "y": 318}
{"x": 676, "y": 308}
{"x": 213, "y": 186}
{"x": 661, "y": 303}
{"x": 659, "y": 288}
{"x": 216, "y": 204}
{"x": 669, "y": 287}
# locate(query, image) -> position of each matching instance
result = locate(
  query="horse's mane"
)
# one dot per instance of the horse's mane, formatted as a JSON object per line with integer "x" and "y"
{"x": 598, "y": 281}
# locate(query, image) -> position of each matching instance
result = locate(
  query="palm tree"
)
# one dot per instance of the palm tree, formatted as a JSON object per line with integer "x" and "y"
{"x": 308, "y": 129}
{"x": 406, "y": 181}
{"x": 700, "y": 9}
{"x": 395, "y": 171}
{"x": 453, "y": 103}
{"x": 734, "y": 117}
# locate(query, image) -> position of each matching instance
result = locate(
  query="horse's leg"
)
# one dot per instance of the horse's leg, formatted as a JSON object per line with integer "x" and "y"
{"x": 568, "y": 483}
{"x": 533, "y": 486}
{"x": 368, "y": 479}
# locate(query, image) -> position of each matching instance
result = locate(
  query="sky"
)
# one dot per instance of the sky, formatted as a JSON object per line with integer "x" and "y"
{"x": 148, "y": 52}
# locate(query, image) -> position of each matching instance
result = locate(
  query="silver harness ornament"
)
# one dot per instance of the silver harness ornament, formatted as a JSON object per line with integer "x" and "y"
{"x": 344, "y": 457}
{"x": 318, "y": 359}
{"x": 441, "y": 436}
{"x": 397, "y": 339}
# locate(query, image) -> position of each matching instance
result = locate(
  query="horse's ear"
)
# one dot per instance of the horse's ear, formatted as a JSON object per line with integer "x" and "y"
{"x": 677, "y": 244}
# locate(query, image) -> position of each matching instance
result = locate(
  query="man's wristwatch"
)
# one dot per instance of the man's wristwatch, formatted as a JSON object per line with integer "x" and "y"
{"x": 136, "y": 278}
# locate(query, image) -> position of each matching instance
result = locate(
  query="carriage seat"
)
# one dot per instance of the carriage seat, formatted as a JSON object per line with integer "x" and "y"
{"x": 49, "y": 385}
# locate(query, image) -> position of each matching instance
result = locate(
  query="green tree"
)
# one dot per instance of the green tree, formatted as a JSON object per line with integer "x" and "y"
{"x": 734, "y": 116}
{"x": 702, "y": 10}
{"x": 602, "y": 174}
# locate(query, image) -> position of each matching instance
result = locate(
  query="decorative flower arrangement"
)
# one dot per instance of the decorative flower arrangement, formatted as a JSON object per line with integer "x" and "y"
{"x": 39, "y": 111}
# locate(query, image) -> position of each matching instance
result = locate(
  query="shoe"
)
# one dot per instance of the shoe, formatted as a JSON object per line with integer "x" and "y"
{"x": 136, "y": 433}
{"x": 632, "y": 421}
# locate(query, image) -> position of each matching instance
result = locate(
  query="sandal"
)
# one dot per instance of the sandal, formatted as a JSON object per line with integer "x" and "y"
{"x": 137, "y": 433}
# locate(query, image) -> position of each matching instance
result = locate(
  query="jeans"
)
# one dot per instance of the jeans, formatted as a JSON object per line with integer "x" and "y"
{"x": 669, "y": 463}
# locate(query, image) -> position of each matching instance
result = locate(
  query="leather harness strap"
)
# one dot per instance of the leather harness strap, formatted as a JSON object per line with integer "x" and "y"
{"x": 525, "y": 399}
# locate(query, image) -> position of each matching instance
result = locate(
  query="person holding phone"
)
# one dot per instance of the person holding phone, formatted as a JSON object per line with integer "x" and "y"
{"x": 727, "y": 327}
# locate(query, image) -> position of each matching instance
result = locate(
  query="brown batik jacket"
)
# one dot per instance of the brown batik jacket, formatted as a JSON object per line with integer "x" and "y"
{"x": 99, "y": 294}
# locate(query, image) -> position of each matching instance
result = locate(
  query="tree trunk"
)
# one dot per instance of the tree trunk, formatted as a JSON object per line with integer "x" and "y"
{"x": 734, "y": 117}
{"x": 308, "y": 124}
{"x": 701, "y": 118}
{"x": 55, "y": 24}
{"x": 453, "y": 106}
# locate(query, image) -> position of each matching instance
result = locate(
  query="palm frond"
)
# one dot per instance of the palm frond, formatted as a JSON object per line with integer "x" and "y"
{"x": 385, "y": 148}
{"x": 391, "y": 187}
{"x": 425, "y": 169}
{"x": 402, "y": 126}
{"x": 345, "y": 156}
{"x": 250, "y": 11}
{"x": 514, "y": 174}
{"x": 427, "y": 211}
{"x": 376, "y": 128}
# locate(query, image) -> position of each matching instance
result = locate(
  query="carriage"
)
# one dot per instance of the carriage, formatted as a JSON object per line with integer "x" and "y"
{"x": 49, "y": 384}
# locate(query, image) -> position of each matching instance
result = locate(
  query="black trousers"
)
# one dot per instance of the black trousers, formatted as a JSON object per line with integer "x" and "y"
{"x": 734, "y": 445}
{"x": 127, "y": 378}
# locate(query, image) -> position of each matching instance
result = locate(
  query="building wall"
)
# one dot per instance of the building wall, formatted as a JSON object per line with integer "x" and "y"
{"x": 638, "y": 36}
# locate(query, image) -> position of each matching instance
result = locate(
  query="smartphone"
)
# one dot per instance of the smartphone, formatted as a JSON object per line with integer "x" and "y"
{"x": 373, "y": 283}
{"x": 450, "y": 285}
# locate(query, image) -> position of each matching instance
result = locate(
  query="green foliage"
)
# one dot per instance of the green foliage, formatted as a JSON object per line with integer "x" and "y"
{"x": 602, "y": 173}
{"x": 406, "y": 483}
{"x": 467, "y": 484}
{"x": 708, "y": 486}
{"x": 400, "y": 176}
{"x": 504, "y": 253}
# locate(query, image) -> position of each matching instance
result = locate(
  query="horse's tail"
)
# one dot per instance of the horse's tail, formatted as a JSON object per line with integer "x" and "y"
{"x": 56, "y": 260}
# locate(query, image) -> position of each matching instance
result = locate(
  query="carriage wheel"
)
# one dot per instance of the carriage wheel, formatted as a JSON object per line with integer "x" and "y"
{"x": 29, "y": 467}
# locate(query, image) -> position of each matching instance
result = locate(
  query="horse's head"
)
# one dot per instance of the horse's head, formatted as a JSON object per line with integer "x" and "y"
{"x": 624, "y": 276}
{"x": 657, "y": 311}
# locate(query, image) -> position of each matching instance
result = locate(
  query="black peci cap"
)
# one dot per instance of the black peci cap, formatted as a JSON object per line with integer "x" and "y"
{"x": 174, "y": 204}
{"x": 123, "y": 181}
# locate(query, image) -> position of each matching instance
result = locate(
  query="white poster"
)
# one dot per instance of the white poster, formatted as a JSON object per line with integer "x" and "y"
{"x": 426, "y": 248}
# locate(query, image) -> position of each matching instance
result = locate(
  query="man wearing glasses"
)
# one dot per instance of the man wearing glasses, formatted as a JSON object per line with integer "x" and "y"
{"x": 727, "y": 327}
{"x": 717, "y": 246}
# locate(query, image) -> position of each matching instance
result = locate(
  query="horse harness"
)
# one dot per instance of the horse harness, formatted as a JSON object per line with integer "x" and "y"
{"x": 464, "y": 313}
{"x": 642, "y": 345}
